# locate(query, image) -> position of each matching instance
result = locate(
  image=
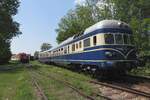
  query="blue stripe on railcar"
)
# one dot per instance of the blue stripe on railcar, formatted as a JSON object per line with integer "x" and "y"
{"x": 97, "y": 58}
{"x": 93, "y": 55}
{"x": 123, "y": 48}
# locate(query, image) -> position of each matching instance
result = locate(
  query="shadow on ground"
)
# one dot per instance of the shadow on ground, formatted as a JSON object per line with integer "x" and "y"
{"x": 16, "y": 67}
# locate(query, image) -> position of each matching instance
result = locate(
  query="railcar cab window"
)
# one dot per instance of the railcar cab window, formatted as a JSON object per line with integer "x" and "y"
{"x": 128, "y": 39}
{"x": 119, "y": 38}
{"x": 109, "y": 38}
{"x": 87, "y": 42}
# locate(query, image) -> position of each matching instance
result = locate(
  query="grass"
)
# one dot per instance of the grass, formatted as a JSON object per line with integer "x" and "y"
{"x": 15, "y": 83}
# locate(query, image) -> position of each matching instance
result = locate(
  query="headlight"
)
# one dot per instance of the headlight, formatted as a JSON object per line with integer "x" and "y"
{"x": 108, "y": 54}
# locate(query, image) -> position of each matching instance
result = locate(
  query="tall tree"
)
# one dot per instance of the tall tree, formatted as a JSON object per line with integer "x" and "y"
{"x": 8, "y": 27}
{"x": 46, "y": 46}
{"x": 75, "y": 22}
{"x": 5, "y": 53}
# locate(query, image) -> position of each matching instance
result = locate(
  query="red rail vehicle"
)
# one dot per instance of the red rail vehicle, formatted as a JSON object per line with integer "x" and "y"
{"x": 24, "y": 58}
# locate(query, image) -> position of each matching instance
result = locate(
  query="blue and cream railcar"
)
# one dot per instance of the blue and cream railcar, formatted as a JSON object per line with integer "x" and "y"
{"x": 105, "y": 45}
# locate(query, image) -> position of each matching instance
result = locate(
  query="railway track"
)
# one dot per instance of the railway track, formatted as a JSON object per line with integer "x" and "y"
{"x": 113, "y": 86}
{"x": 125, "y": 89}
{"x": 140, "y": 78}
{"x": 79, "y": 91}
{"x": 39, "y": 90}
{"x": 122, "y": 88}
{"x": 137, "y": 83}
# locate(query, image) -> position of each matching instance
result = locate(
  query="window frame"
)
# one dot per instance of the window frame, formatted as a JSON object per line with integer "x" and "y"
{"x": 73, "y": 47}
{"x": 95, "y": 42}
{"x": 80, "y": 44}
{"x": 105, "y": 38}
{"x": 127, "y": 42}
{"x": 89, "y": 44}
{"x": 77, "y": 47}
{"x": 121, "y": 34}
{"x": 65, "y": 50}
{"x": 68, "y": 47}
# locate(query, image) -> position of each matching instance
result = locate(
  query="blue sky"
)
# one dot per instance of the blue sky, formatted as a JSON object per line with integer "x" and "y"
{"x": 38, "y": 20}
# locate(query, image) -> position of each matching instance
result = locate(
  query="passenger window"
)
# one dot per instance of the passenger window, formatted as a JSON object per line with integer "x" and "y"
{"x": 126, "y": 39}
{"x": 73, "y": 47}
{"x": 77, "y": 46}
{"x": 65, "y": 50}
{"x": 80, "y": 44}
{"x": 87, "y": 42}
{"x": 109, "y": 38}
{"x": 68, "y": 49}
{"x": 94, "y": 40}
{"x": 119, "y": 39}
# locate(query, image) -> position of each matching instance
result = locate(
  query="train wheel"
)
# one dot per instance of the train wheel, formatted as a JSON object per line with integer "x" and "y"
{"x": 88, "y": 69}
{"x": 94, "y": 71}
{"x": 75, "y": 67}
{"x": 79, "y": 68}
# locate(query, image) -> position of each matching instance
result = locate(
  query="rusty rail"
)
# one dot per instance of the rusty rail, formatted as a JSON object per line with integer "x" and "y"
{"x": 35, "y": 83}
{"x": 74, "y": 88}
{"x": 126, "y": 89}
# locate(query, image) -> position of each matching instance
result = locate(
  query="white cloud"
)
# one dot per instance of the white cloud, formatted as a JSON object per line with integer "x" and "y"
{"x": 80, "y": 2}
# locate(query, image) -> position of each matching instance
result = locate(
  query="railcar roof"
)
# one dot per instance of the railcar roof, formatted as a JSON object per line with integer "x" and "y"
{"x": 107, "y": 24}
{"x": 45, "y": 51}
{"x": 66, "y": 41}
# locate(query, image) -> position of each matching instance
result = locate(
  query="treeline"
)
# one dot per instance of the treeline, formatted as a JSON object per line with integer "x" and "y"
{"x": 8, "y": 27}
{"x": 134, "y": 12}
